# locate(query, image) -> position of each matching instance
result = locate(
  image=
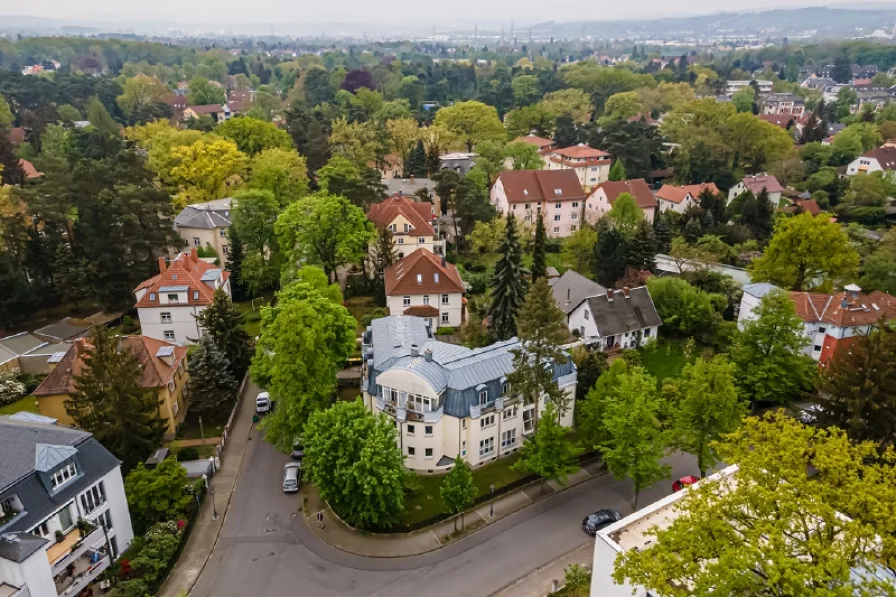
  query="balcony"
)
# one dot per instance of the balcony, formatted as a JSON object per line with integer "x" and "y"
{"x": 72, "y": 547}
{"x": 566, "y": 380}
{"x": 81, "y": 572}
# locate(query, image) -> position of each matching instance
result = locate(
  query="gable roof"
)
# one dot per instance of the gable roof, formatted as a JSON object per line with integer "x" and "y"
{"x": 675, "y": 194}
{"x": 7, "y": 355}
{"x": 533, "y": 186}
{"x": 205, "y": 216}
{"x": 21, "y": 343}
{"x": 628, "y": 311}
{"x": 417, "y": 273}
{"x": 408, "y": 186}
{"x": 154, "y": 372}
{"x": 572, "y": 288}
{"x": 581, "y": 151}
{"x": 18, "y": 547}
{"x": 418, "y": 214}
{"x": 780, "y": 120}
{"x": 29, "y": 169}
{"x": 756, "y": 183}
{"x": 885, "y": 156}
{"x": 636, "y": 187}
{"x": 759, "y": 289}
{"x": 844, "y": 309}
{"x": 186, "y": 271}
{"x": 208, "y": 108}
{"x": 539, "y": 142}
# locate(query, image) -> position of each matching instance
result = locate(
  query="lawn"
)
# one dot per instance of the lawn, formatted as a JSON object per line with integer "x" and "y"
{"x": 253, "y": 317}
{"x": 358, "y": 307}
{"x": 212, "y": 425}
{"x": 429, "y": 499}
{"x": 665, "y": 359}
{"x": 27, "y": 404}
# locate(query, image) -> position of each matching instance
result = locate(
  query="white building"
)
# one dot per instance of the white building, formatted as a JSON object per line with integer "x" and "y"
{"x": 756, "y": 184}
{"x": 592, "y": 166}
{"x": 679, "y": 199}
{"x": 426, "y": 285}
{"x": 448, "y": 400}
{"x": 624, "y": 318}
{"x": 556, "y": 196}
{"x": 409, "y": 222}
{"x": 63, "y": 512}
{"x": 783, "y": 103}
{"x": 601, "y": 200}
{"x": 882, "y": 159}
{"x": 735, "y": 86}
{"x": 169, "y": 303}
{"x": 205, "y": 225}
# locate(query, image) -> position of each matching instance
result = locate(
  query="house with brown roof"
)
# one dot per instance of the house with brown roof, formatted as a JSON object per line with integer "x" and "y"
{"x": 600, "y": 202}
{"x": 757, "y": 183}
{"x": 169, "y": 303}
{"x": 426, "y": 285}
{"x": 784, "y": 121}
{"x": 679, "y": 199}
{"x": 390, "y": 166}
{"x": 410, "y": 223}
{"x": 592, "y": 166}
{"x": 556, "y": 196}
{"x": 882, "y": 159}
{"x": 30, "y": 171}
{"x": 219, "y": 112}
{"x": 163, "y": 368}
{"x": 543, "y": 145}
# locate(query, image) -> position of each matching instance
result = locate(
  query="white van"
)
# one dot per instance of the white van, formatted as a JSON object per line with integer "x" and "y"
{"x": 263, "y": 403}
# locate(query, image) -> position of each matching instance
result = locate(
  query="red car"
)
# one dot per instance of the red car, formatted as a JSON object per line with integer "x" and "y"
{"x": 683, "y": 482}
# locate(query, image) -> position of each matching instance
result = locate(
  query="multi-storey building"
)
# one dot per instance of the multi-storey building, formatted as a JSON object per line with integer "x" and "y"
{"x": 63, "y": 513}
{"x": 205, "y": 225}
{"x": 592, "y": 166}
{"x": 601, "y": 200}
{"x": 756, "y": 184}
{"x": 427, "y": 286}
{"x": 881, "y": 159}
{"x": 554, "y": 195}
{"x": 679, "y": 199}
{"x": 448, "y": 400}
{"x": 762, "y": 85}
{"x": 783, "y": 103}
{"x": 410, "y": 223}
{"x": 168, "y": 304}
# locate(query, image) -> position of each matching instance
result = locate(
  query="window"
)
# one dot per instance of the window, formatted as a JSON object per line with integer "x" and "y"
{"x": 508, "y": 438}
{"x": 411, "y": 451}
{"x": 435, "y": 277}
{"x": 574, "y": 217}
{"x": 486, "y": 421}
{"x": 411, "y": 430}
{"x": 427, "y": 453}
{"x": 509, "y": 413}
{"x": 514, "y": 208}
{"x": 425, "y": 299}
{"x": 647, "y": 333}
{"x": 816, "y": 348}
{"x": 572, "y": 228}
{"x": 400, "y": 240}
{"x": 172, "y": 298}
{"x": 406, "y": 301}
{"x": 528, "y": 218}
{"x": 483, "y": 397}
{"x": 505, "y": 388}
{"x": 407, "y": 227}
{"x": 169, "y": 334}
{"x": 64, "y": 475}
{"x": 197, "y": 242}
{"x": 222, "y": 232}
{"x": 486, "y": 447}
{"x": 556, "y": 229}
{"x": 822, "y": 330}
{"x": 225, "y": 249}
{"x": 419, "y": 278}
{"x": 445, "y": 318}
{"x": 427, "y": 430}
{"x": 421, "y": 240}
{"x": 93, "y": 498}
{"x": 528, "y": 420}
{"x": 594, "y": 168}
{"x": 391, "y": 227}
{"x": 42, "y": 529}
{"x": 558, "y": 205}
{"x": 575, "y": 204}
{"x": 444, "y": 299}
{"x": 463, "y": 448}
{"x": 422, "y": 404}
{"x": 152, "y": 296}
{"x": 527, "y": 205}
{"x": 587, "y": 315}
{"x": 400, "y": 255}
{"x": 463, "y": 423}
{"x": 557, "y": 218}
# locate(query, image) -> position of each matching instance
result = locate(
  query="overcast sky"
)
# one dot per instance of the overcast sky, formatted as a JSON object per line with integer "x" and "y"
{"x": 280, "y": 13}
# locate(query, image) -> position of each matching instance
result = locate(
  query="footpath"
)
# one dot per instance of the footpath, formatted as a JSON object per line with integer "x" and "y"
{"x": 207, "y": 527}
{"x": 397, "y": 545}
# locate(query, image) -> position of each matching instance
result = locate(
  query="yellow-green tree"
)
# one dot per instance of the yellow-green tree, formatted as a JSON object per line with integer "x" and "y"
{"x": 252, "y": 135}
{"x": 283, "y": 172}
{"x": 139, "y": 92}
{"x": 621, "y": 106}
{"x": 574, "y": 102}
{"x": 403, "y": 135}
{"x": 471, "y": 122}
{"x": 204, "y": 168}
{"x": 356, "y": 141}
{"x": 159, "y": 139}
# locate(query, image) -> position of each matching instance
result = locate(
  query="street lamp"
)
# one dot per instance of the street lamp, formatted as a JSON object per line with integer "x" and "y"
{"x": 491, "y": 492}
{"x": 211, "y": 489}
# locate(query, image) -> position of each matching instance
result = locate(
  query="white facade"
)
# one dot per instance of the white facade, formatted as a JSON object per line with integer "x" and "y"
{"x": 171, "y": 323}
{"x": 734, "y": 86}
{"x": 406, "y": 241}
{"x": 582, "y": 319}
{"x": 561, "y": 218}
{"x": 680, "y": 207}
{"x": 450, "y": 306}
{"x": 863, "y": 164}
{"x": 740, "y": 188}
{"x": 590, "y": 175}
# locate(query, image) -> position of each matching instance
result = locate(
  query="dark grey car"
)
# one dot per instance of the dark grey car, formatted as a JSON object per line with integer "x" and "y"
{"x": 600, "y": 519}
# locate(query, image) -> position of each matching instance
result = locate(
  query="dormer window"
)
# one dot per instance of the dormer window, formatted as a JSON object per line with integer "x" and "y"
{"x": 174, "y": 276}
{"x": 152, "y": 296}
{"x": 195, "y": 295}
{"x": 63, "y": 475}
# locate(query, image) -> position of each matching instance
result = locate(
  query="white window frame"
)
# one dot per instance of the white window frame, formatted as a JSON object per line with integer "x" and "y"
{"x": 176, "y": 298}
{"x": 556, "y": 217}
{"x": 412, "y": 451}
{"x": 427, "y": 453}
{"x": 400, "y": 240}
{"x": 406, "y": 301}
{"x": 222, "y": 231}
{"x": 444, "y": 299}
{"x": 197, "y": 242}
{"x": 509, "y": 413}
{"x": 427, "y": 431}
{"x": 425, "y": 299}
{"x": 169, "y": 335}
{"x": 508, "y": 438}
{"x": 63, "y": 476}
{"x": 446, "y": 318}
{"x": 165, "y": 316}
{"x": 411, "y": 430}
{"x": 486, "y": 447}
{"x": 483, "y": 397}
{"x": 486, "y": 421}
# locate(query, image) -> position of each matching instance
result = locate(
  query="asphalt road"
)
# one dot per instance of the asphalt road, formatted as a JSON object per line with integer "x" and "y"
{"x": 265, "y": 549}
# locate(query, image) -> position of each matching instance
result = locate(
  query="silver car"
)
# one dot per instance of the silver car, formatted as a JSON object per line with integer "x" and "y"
{"x": 292, "y": 477}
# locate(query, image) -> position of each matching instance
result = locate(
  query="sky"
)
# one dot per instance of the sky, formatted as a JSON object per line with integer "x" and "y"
{"x": 282, "y": 13}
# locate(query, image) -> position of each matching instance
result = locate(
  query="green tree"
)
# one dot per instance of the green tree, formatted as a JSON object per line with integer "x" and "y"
{"x": 323, "y": 229}
{"x": 508, "y": 289}
{"x": 685, "y": 309}
{"x": 457, "y": 490}
{"x": 110, "y": 403}
{"x": 472, "y": 122}
{"x": 578, "y": 248}
{"x": 617, "y": 171}
{"x": 416, "y": 165}
{"x": 100, "y": 117}
{"x": 743, "y": 99}
{"x": 140, "y": 92}
{"x": 708, "y": 406}
{"x": 362, "y": 186}
{"x": 565, "y": 132}
{"x": 768, "y": 354}
{"x": 806, "y": 252}
{"x": 879, "y": 271}
{"x": 212, "y": 387}
{"x": 156, "y": 494}
{"x": 235, "y": 266}
{"x": 352, "y": 456}
{"x": 203, "y": 93}
{"x": 523, "y": 156}
{"x": 625, "y": 214}
{"x": 610, "y": 253}
{"x": 576, "y": 578}
{"x": 760, "y": 534}
{"x": 202, "y": 169}
{"x": 539, "y": 263}
{"x": 621, "y": 106}
{"x": 471, "y": 205}
{"x": 253, "y": 216}
{"x": 383, "y": 258}
{"x": 858, "y": 389}
{"x": 550, "y": 453}
{"x": 74, "y": 275}
{"x": 252, "y": 136}
{"x": 17, "y": 301}
{"x": 283, "y": 172}
{"x": 224, "y": 323}
{"x": 526, "y": 90}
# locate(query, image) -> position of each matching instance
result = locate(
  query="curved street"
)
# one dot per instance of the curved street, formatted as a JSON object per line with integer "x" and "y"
{"x": 265, "y": 549}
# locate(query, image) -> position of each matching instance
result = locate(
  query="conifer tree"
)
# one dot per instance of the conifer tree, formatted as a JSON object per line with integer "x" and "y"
{"x": 508, "y": 289}
{"x": 224, "y": 323}
{"x": 416, "y": 162}
{"x": 74, "y": 276}
{"x": 212, "y": 386}
{"x": 617, "y": 171}
{"x": 457, "y": 490}
{"x": 662, "y": 233}
{"x": 235, "y": 266}
{"x": 642, "y": 248}
{"x": 383, "y": 259}
{"x": 539, "y": 264}
{"x": 610, "y": 253}
{"x": 110, "y": 403}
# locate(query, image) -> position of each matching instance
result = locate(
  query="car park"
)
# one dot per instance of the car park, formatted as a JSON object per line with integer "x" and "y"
{"x": 592, "y": 523}
{"x": 292, "y": 477}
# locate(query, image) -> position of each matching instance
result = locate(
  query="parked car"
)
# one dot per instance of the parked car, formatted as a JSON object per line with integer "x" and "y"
{"x": 600, "y": 519}
{"x": 298, "y": 448}
{"x": 809, "y": 415}
{"x": 263, "y": 403}
{"x": 292, "y": 477}
{"x": 683, "y": 482}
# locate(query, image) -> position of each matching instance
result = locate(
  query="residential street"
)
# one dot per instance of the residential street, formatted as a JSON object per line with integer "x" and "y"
{"x": 266, "y": 550}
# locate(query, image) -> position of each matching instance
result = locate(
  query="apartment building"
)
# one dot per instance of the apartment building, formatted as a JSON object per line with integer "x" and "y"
{"x": 591, "y": 166}
{"x": 601, "y": 200}
{"x": 426, "y": 285}
{"x": 554, "y": 195}
{"x": 410, "y": 223}
{"x": 63, "y": 513}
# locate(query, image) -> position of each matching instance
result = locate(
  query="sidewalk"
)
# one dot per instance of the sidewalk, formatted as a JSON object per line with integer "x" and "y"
{"x": 540, "y": 582}
{"x": 397, "y": 545}
{"x": 205, "y": 534}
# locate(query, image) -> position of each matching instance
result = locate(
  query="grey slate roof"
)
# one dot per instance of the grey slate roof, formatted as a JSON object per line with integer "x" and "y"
{"x": 48, "y": 456}
{"x": 205, "y": 216}
{"x": 572, "y": 288}
{"x": 407, "y": 187}
{"x": 62, "y": 331}
{"x": 759, "y": 289}
{"x": 17, "y": 547}
{"x": 19, "y": 441}
{"x": 32, "y": 418}
{"x": 623, "y": 314}
{"x": 6, "y": 355}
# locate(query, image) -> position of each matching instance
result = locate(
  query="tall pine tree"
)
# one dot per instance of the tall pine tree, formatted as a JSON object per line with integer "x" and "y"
{"x": 416, "y": 162}
{"x": 642, "y": 248}
{"x": 610, "y": 253}
{"x": 662, "y": 233}
{"x": 110, "y": 403}
{"x": 224, "y": 323}
{"x": 539, "y": 257}
{"x": 617, "y": 171}
{"x": 508, "y": 289}
{"x": 235, "y": 266}
{"x": 212, "y": 386}
{"x": 382, "y": 259}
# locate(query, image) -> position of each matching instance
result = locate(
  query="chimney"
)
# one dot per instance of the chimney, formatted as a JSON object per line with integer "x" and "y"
{"x": 415, "y": 350}
{"x": 194, "y": 254}
{"x": 444, "y": 261}
{"x": 844, "y": 303}
{"x": 427, "y": 354}
{"x": 625, "y": 290}
{"x": 162, "y": 265}
{"x": 412, "y": 179}
{"x": 610, "y": 295}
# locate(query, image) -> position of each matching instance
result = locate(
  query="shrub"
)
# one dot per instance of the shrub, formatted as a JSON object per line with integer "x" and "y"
{"x": 478, "y": 282}
{"x": 685, "y": 309}
{"x": 188, "y": 453}
{"x": 11, "y": 389}
{"x": 444, "y": 331}
{"x": 155, "y": 495}
{"x": 162, "y": 541}
{"x": 129, "y": 588}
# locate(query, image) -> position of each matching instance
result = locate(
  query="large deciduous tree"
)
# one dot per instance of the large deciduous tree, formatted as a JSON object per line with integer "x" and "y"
{"x": 252, "y": 136}
{"x": 508, "y": 288}
{"x": 253, "y": 216}
{"x": 283, "y": 172}
{"x": 472, "y": 122}
{"x": 202, "y": 169}
{"x": 157, "y": 494}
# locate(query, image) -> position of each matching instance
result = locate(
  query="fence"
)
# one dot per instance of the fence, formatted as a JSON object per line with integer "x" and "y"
{"x": 225, "y": 433}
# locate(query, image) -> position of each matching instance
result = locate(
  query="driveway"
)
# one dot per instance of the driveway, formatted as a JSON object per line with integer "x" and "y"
{"x": 265, "y": 550}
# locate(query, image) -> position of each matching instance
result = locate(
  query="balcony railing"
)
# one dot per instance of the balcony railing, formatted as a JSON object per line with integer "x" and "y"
{"x": 85, "y": 572}
{"x": 72, "y": 547}
{"x": 565, "y": 380}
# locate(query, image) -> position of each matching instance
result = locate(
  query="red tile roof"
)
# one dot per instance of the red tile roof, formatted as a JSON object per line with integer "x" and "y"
{"x": 422, "y": 311}
{"x": 581, "y": 151}
{"x": 809, "y": 205}
{"x": 418, "y": 214}
{"x": 885, "y": 156}
{"x": 535, "y": 186}
{"x": 185, "y": 270}
{"x": 781, "y": 120}
{"x": 154, "y": 372}
{"x": 539, "y": 142}
{"x": 636, "y": 187}
{"x": 645, "y": 117}
{"x": 676, "y": 194}
{"x": 421, "y": 272}
{"x": 29, "y": 169}
{"x": 755, "y": 184}
{"x": 859, "y": 309}
{"x": 17, "y": 135}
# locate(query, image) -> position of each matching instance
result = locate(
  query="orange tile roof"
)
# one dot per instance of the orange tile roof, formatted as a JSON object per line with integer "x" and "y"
{"x": 416, "y": 274}
{"x": 677, "y": 194}
{"x": 581, "y": 151}
{"x": 862, "y": 309}
{"x": 418, "y": 214}
{"x": 755, "y": 184}
{"x": 636, "y": 187}
{"x": 154, "y": 372}
{"x": 422, "y": 311}
{"x": 539, "y": 142}
{"x": 29, "y": 169}
{"x": 185, "y": 270}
